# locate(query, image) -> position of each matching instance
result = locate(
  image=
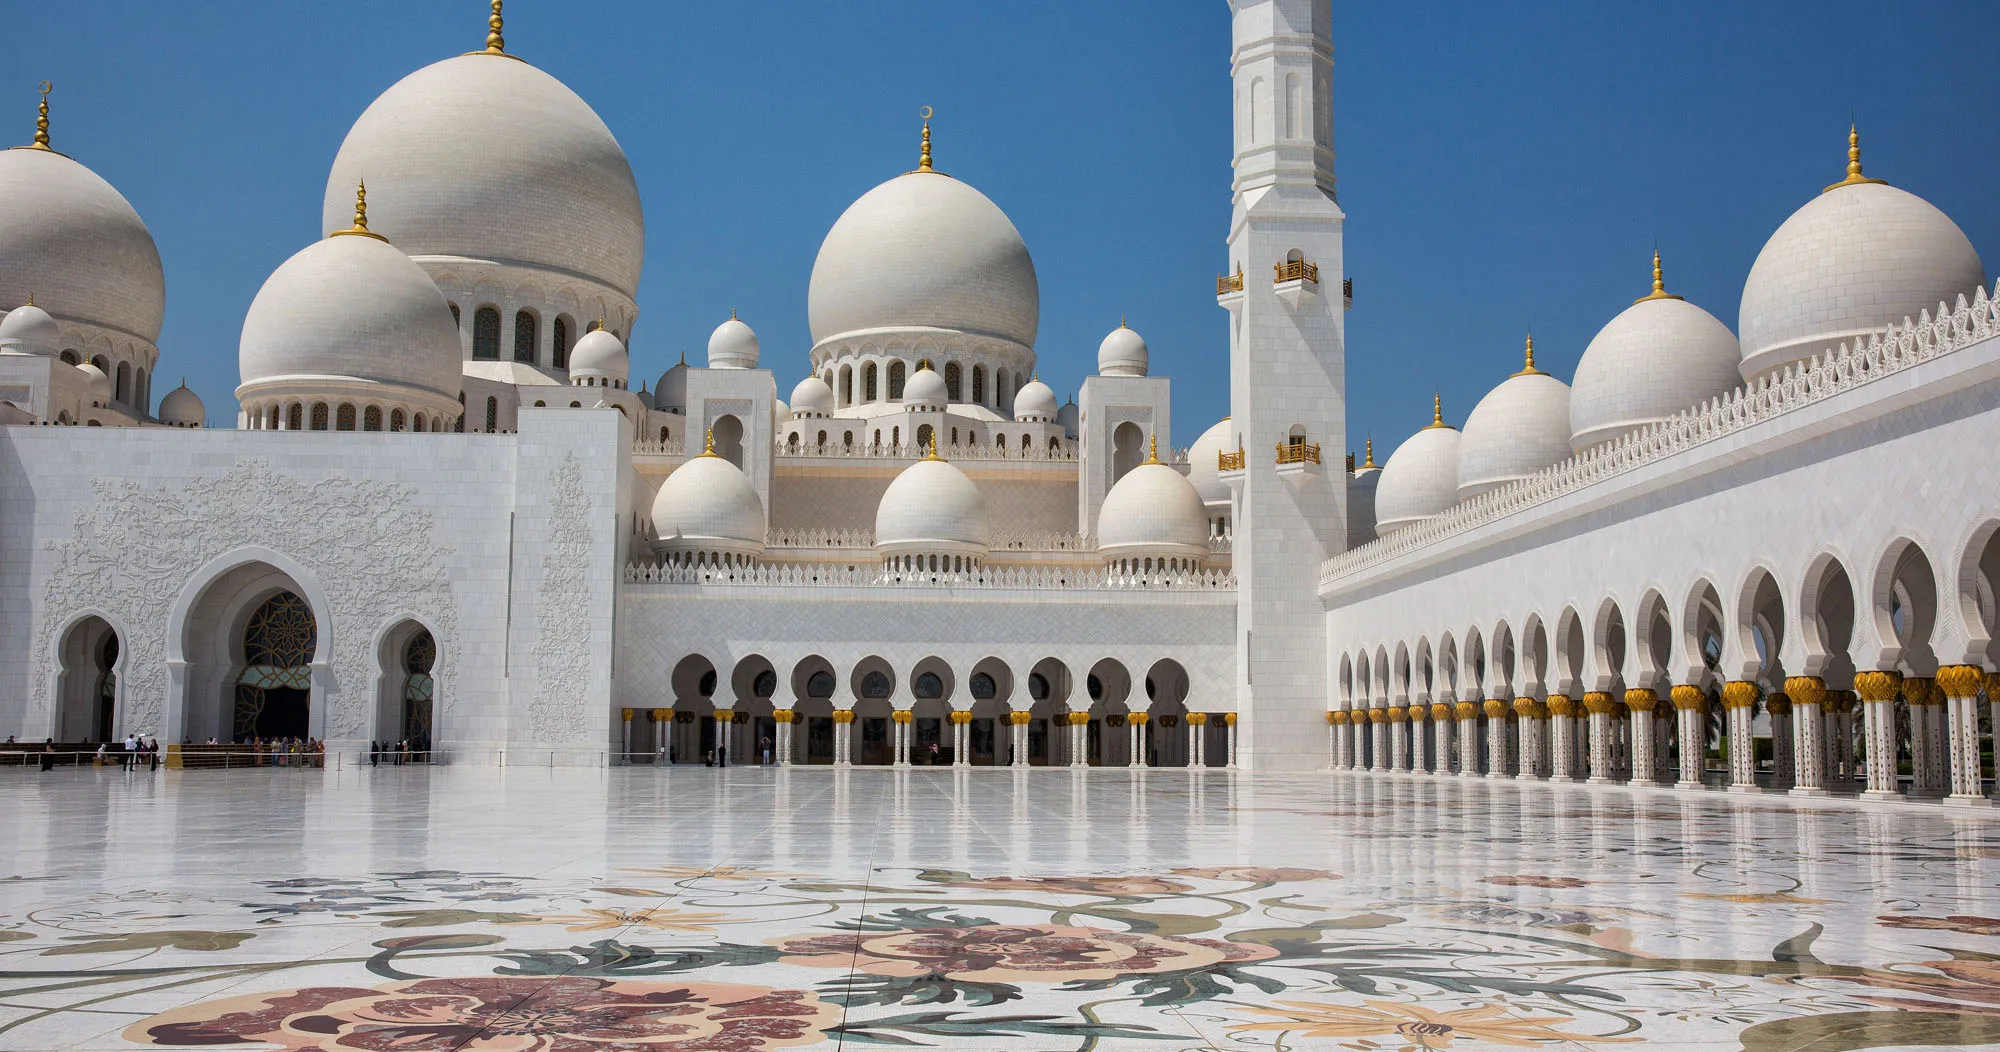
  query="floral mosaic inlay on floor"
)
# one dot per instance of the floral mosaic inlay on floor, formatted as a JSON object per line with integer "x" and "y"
{"x": 644, "y": 911}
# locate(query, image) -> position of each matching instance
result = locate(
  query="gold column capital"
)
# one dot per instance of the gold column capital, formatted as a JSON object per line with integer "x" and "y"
{"x": 1641, "y": 699}
{"x": 782, "y": 715}
{"x": 1440, "y": 711}
{"x": 627, "y": 714}
{"x": 1877, "y": 686}
{"x": 1922, "y": 690}
{"x": 1806, "y": 690}
{"x": 1739, "y": 694}
{"x": 1596, "y": 701}
{"x": 1778, "y": 703}
{"x": 1418, "y": 712}
{"x": 1961, "y": 681}
{"x": 1496, "y": 709}
{"x": 1689, "y": 698}
{"x": 1229, "y": 719}
{"x": 1467, "y": 710}
{"x": 1200, "y": 718}
{"x": 843, "y": 715}
{"x": 1562, "y": 705}
{"x": 1137, "y": 717}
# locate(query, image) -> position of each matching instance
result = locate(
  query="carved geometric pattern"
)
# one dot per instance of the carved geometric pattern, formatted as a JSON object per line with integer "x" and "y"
{"x": 562, "y": 612}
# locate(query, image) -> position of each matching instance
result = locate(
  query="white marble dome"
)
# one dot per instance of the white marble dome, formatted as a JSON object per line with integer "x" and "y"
{"x": 1035, "y": 402}
{"x": 350, "y": 307}
{"x": 1123, "y": 353}
{"x": 924, "y": 251}
{"x": 733, "y": 345}
{"x": 28, "y": 329}
{"x": 600, "y": 353}
{"x": 812, "y": 397}
{"x": 182, "y": 408}
{"x": 75, "y": 244}
{"x": 708, "y": 505}
{"x": 486, "y": 157}
{"x": 925, "y": 388}
{"x": 1152, "y": 511}
{"x": 1204, "y": 469}
{"x": 1420, "y": 480}
{"x": 931, "y": 507}
{"x": 1857, "y": 258}
{"x": 1519, "y": 428}
{"x": 98, "y": 383}
{"x": 1658, "y": 357}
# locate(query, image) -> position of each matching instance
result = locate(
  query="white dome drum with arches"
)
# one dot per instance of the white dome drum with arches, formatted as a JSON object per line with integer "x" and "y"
{"x": 349, "y": 335}
{"x": 733, "y": 345}
{"x": 1658, "y": 357}
{"x": 599, "y": 360}
{"x": 1153, "y": 521}
{"x": 932, "y": 518}
{"x": 1421, "y": 478}
{"x": 1122, "y": 353}
{"x": 925, "y": 266}
{"x": 1860, "y": 257}
{"x": 708, "y": 513}
{"x": 1519, "y": 428}
{"x": 1035, "y": 402}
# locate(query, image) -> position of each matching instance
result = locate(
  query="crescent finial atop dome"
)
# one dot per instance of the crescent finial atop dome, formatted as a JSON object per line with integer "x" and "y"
{"x": 41, "y": 140}
{"x": 924, "y": 156}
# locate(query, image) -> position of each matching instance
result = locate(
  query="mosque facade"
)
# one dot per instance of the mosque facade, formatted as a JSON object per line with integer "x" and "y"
{"x": 450, "y": 515}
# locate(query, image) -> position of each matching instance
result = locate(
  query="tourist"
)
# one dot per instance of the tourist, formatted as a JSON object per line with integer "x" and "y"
{"x": 934, "y": 754}
{"x": 709, "y": 760}
{"x": 374, "y": 753}
{"x": 101, "y": 746}
{"x": 153, "y": 752}
{"x": 765, "y": 744}
{"x": 48, "y": 754}
{"x": 131, "y": 751}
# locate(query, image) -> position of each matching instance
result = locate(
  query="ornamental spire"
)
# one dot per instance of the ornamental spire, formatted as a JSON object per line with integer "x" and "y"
{"x": 1529, "y": 369}
{"x": 360, "y": 227}
{"x": 1153, "y": 448}
{"x": 1368, "y": 457}
{"x": 496, "y": 39}
{"x": 1854, "y": 176}
{"x": 708, "y": 444}
{"x": 1437, "y": 412}
{"x": 933, "y": 453}
{"x": 924, "y": 157}
{"x": 41, "y": 141}
{"x": 1659, "y": 284}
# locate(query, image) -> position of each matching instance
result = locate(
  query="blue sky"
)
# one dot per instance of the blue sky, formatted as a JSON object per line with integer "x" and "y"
{"x": 1501, "y": 165}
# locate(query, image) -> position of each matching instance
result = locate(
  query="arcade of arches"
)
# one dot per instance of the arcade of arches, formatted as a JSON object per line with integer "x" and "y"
{"x": 931, "y": 713}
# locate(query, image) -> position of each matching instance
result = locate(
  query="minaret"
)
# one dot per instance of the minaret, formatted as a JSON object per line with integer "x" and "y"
{"x": 1287, "y": 374}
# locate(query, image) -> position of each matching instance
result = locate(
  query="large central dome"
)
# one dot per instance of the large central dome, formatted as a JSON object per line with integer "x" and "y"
{"x": 487, "y": 157}
{"x": 924, "y": 250}
{"x": 73, "y": 241}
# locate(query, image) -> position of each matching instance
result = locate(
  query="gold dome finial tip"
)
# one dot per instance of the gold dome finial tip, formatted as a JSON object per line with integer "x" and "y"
{"x": 1854, "y": 176}
{"x": 924, "y": 157}
{"x": 1153, "y": 448}
{"x": 360, "y": 227}
{"x": 1528, "y": 367}
{"x": 41, "y": 141}
{"x": 1659, "y": 284}
{"x": 708, "y": 444}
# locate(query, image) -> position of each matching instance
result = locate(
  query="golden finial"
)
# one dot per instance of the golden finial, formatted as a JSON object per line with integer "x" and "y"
{"x": 496, "y": 41}
{"x": 1368, "y": 459}
{"x": 1121, "y": 321}
{"x": 42, "y": 121}
{"x": 1437, "y": 412}
{"x": 1854, "y": 176}
{"x": 1659, "y": 284}
{"x": 933, "y": 453}
{"x": 924, "y": 158}
{"x": 708, "y": 444}
{"x": 1153, "y": 448}
{"x": 732, "y": 314}
{"x": 1529, "y": 368}
{"x": 31, "y": 297}
{"x": 360, "y": 227}
{"x": 684, "y": 356}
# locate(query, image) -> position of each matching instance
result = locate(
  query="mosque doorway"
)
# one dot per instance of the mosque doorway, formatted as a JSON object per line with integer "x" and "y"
{"x": 419, "y": 690}
{"x": 89, "y": 684}
{"x": 274, "y": 689}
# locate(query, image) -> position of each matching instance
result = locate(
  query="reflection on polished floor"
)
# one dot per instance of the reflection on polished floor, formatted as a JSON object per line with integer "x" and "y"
{"x": 759, "y": 908}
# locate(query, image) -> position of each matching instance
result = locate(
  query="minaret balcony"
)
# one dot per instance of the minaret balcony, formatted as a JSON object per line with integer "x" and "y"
{"x": 1297, "y": 281}
{"x": 1297, "y": 460}
{"x": 1229, "y": 289}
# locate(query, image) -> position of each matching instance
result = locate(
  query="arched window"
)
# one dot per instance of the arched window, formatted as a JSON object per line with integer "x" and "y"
{"x": 983, "y": 687}
{"x": 765, "y": 685}
{"x": 486, "y": 333}
{"x": 954, "y": 436}
{"x": 524, "y": 337}
{"x": 822, "y": 440}
{"x": 705, "y": 686}
{"x": 539, "y": 404}
{"x": 868, "y": 382}
{"x": 1038, "y": 686}
{"x": 344, "y": 420}
{"x": 951, "y": 384}
{"x": 70, "y": 357}
{"x": 846, "y": 388}
{"x": 295, "y": 417}
{"x": 895, "y": 381}
{"x": 878, "y": 438}
{"x": 923, "y": 436}
{"x": 929, "y": 686}
{"x": 896, "y": 437}
{"x": 417, "y": 423}
{"x": 847, "y": 439}
{"x": 576, "y": 405}
{"x": 792, "y": 441}
{"x": 874, "y": 685}
{"x": 999, "y": 441}
{"x": 123, "y": 389}
{"x": 1055, "y": 445}
{"x": 492, "y": 414}
{"x": 371, "y": 418}
{"x": 559, "y": 351}
{"x": 820, "y": 684}
{"x": 979, "y": 384}
{"x": 663, "y": 436}
{"x": 319, "y": 416}
{"x": 142, "y": 389}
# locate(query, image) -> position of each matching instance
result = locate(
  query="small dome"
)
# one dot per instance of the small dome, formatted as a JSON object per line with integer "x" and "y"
{"x": 1153, "y": 510}
{"x": 924, "y": 250}
{"x": 931, "y": 507}
{"x": 351, "y": 307}
{"x": 1070, "y": 417}
{"x": 671, "y": 392}
{"x": 733, "y": 345}
{"x": 1657, "y": 357}
{"x": 98, "y": 383}
{"x": 1035, "y": 402}
{"x": 28, "y": 329}
{"x": 488, "y": 158}
{"x": 812, "y": 397}
{"x": 780, "y": 412}
{"x": 924, "y": 389}
{"x": 1421, "y": 478}
{"x": 1861, "y": 256}
{"x": 182, "y": 408}
{"x": 599, "y": 353}
{"x": 1519, "y": 428}
{"x": 708, "y": 505}
{"x": 645, "y": 397}
{"x": 1204, "y": 467}
{"x": 69, "y": 238}
{"x": 1123, "y": 353}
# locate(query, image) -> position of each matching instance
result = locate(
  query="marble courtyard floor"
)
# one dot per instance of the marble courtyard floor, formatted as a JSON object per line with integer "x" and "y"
{"x": 537, "y": 910}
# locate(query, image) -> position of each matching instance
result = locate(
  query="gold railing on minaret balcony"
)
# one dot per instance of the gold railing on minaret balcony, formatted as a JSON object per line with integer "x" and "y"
{"x": 1226, "y": 461}
{"x": 1228, "y": 283}
{"x": 1298, "y": 453}
{"x": 1296, "y": 270}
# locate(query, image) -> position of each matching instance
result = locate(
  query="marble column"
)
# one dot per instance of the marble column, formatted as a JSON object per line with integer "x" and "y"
{"x": 1992, "y": 688}
{"x": 1878, "y": 713}
{"x": 843, "y": 737}
{"x": 1496, "y": 738}
{"x": 1197, "y": 723}
{"x": 1691, "y": 709}
{"x": 1533, "y": 715}
{"x": 1332, "y": 740}
{"x": 1598, "y": 706}
{"x": 1739, "y": 704}
{"x": 1399, "y": 742}
{"x": 1229, "y": 737}
{"x": 1468, "y": 738}
{"x": 1419, "y": 741}
{"x": 1640, "y": 702}
{"x": 663, "y": 723}
{"x": 1378, "y": 738}
{"x": 1928, "y": 749}
{"x": 625, "y": 722}
{"x": 1562, "y": 727}
{"x": 1808, "y": 694}
{"x": 1135, "y": 740}
{"x": 1077, "y": 740}
{"x": 1960, "y": 686}
{"x": 1779, "y": 705}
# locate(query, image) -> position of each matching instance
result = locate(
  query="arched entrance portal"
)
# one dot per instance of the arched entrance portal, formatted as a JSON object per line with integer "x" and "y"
{"x": 419, "y": 656}
{"x": 274, "y": 690}
{"x": 89, "y": 684}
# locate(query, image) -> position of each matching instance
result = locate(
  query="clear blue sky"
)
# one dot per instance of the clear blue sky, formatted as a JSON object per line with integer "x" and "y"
{"x": 1500, "y": 165}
